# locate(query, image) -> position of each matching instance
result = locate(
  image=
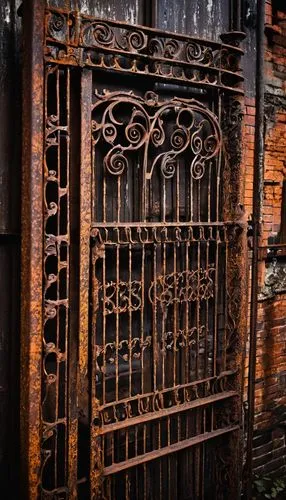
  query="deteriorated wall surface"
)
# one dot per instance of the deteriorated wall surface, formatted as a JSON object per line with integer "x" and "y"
{"x": 270, "y": 393}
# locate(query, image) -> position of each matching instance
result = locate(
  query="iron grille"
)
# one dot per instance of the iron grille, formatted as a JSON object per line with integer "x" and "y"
{"x": 143, "y": 262}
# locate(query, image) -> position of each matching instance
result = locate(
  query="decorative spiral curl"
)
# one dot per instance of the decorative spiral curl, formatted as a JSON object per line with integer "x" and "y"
{"x": 211, "y": 144}
{"x": 137, "y": 40}
{"x": 197, "y": 143}
{"x": 158, "y": 135}
{"x": 171, "y": 49}
{"x": 179, "y": 139}
{"x": 168, "y": 168}
{"x": 57, "y": 22}
{"x": 155, "y": 47}
{"x": 116, "y": 163}
{"x": 197, "y": 169}
{"x": 135, "y": 133}
{"x": 193, "y": 52}
{"x": 103, "y": 34}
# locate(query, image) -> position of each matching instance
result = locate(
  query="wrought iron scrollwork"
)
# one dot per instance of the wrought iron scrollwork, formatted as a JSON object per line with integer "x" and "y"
{"x": 56, "y": 279}
{"x": 196, "y": 132}
{"x": 76, "y": 39}
{"x": 167, "y": 261}
{"x": 185, "y": 286}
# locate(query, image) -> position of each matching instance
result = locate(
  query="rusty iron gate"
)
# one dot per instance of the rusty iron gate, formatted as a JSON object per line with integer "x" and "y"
{"x": 133, "y": 260}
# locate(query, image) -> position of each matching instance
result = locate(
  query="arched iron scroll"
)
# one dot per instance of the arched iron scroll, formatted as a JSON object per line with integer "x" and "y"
{"x": 143, "y": 261}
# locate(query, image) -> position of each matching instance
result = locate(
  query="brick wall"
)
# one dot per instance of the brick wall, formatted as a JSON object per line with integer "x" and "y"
{"x": 270, "y": 392}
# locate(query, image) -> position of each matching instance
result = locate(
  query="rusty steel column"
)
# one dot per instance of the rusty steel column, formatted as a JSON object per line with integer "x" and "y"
{"x": 84, "y": 251}
{"x": 32, "y": 238}
{"x": 257, "y": 213}
{"x": 233, "y": 110}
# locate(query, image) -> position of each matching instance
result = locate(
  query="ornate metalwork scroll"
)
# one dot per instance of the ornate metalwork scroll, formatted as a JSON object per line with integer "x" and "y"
{"x": 172, "y": 139}
{"x": 143, "y": 261}
{"x": 80, "y": 40}
{"x": 55, "y": 412}
{"x": 155, "y": 232}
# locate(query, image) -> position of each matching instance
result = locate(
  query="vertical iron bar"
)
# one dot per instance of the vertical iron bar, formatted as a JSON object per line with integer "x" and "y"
{"x": 118, "y": 198}
{"x": 130, "y": 320}
{"x": 237, "y": 22}
{"x": 187, "y": 349}
{"x": 150, "y": 13}
{"x": 198, "y": 306}
{"x": 104, "y": 328}
{"x": 199, "y": 200}
{"x": 164, "y": 199}
{"x": 117, "y": 323}
{"x": 235, "y": 14}
{"x": 32, "y": 247}
{"x": 144, "y": 465}
{"x": 215, "y": 307}
{"x": 192, "y": 197}
{"x": 103, "y": 196}
{"x": 207, "y": 318}
{"x": 164, "y": 323}
{"x": 218, "y": 216}
{"x": 209, "y": 194}
{"x": 94, "y": 465}
{"x": 168, "y": 457}
{"x": 59, "y": 111}
{"x": 257, "y": 214}
{"x": 197, "y": 413}
{"x": 178, "y": 192}
{"x": 142, "y": 317}
{"x": 84, "y": 250}
{"x": 70, "y": 369}
{"x": 226, "y": 262}
{"x": 175, "y": 315}
{"x": 154, "y": 339}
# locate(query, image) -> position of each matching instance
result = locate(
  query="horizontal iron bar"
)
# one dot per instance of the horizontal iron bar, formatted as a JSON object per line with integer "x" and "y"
{"x": 139, "y": 224}
{"x": 148, "y": 58}
{"x": 168, "y": 450}
{"x": 170, "y": 389}
{"x": 145, "y": 29}
{"x": 130, "y": 422}
{"x": 155, "y": 76}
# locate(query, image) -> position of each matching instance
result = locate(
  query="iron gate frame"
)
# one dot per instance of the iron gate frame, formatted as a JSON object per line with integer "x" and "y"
{"x": 42, "y": 48}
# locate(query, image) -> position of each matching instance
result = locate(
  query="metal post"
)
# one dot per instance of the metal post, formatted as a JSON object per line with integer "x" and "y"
{"x": 237, "y": 15}
{"x": 32, "y": 248}
{"x": 257, "y": 212}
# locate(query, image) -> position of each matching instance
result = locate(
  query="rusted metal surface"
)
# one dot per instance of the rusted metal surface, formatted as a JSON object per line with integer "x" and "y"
{"x": 142, "y": 261}
{"x": 160, "y": 276}
{"x": 258, "y": 176}
{"x": 81, "y": 40}
{"x": 60, "y": 427}
{"x": 32, "y": 249}
{"x": 84, "y": 271}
